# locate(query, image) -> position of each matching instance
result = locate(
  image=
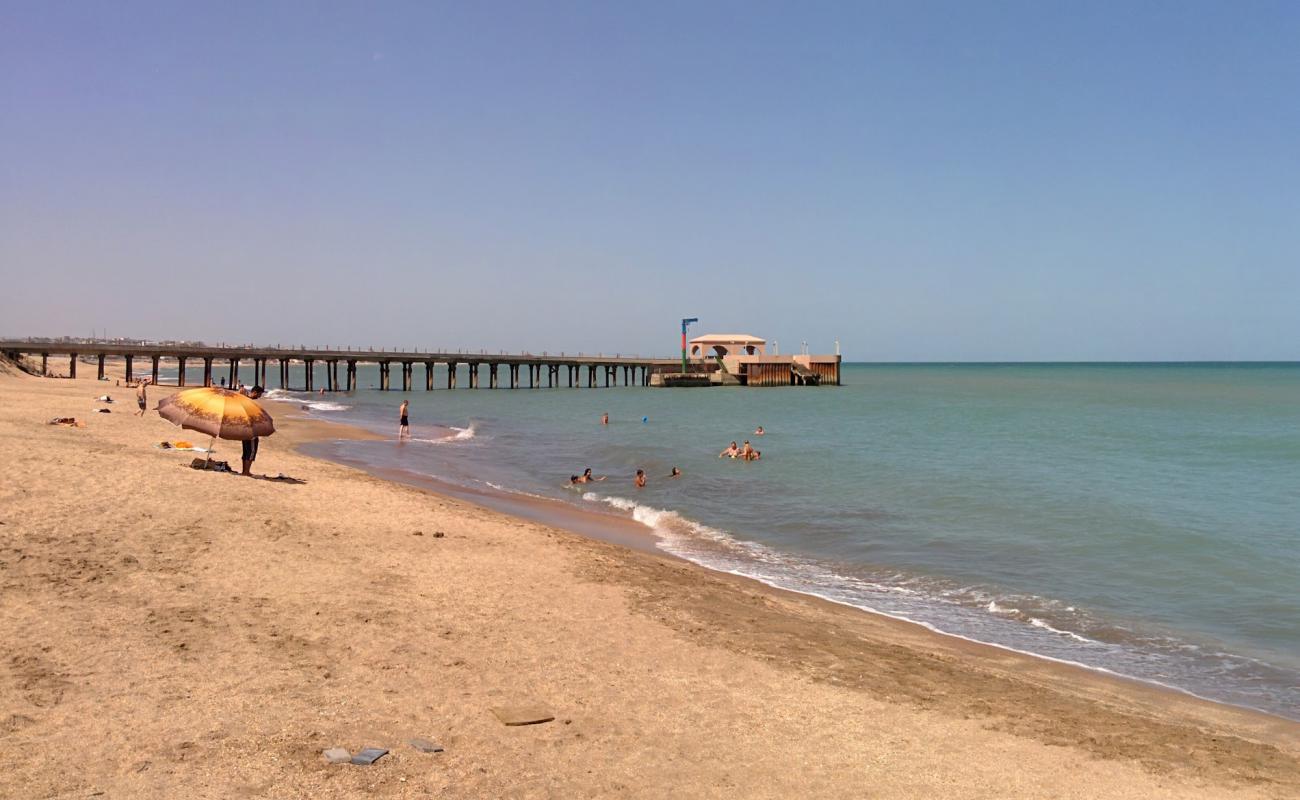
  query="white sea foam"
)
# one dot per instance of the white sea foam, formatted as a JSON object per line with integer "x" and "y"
{"x": 1038, "y": 623}
{"x": 460, "y": 435}
{"x": 307, "y": 401}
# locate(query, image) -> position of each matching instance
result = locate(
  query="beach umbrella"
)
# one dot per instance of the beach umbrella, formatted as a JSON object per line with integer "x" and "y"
{"x": 219, "y": 413}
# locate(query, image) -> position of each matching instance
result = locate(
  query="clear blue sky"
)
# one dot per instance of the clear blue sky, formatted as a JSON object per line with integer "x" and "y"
{"x": 923, "y": 181}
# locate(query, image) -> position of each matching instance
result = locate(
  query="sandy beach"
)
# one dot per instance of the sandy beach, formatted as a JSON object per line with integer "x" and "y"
{"x": 176, "y": 633}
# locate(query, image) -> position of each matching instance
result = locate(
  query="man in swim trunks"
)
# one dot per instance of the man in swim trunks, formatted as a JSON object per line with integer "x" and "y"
{"x": 141, "y": 397}
{"x": 250, "y": 446}
{"x": 404, "y": 424}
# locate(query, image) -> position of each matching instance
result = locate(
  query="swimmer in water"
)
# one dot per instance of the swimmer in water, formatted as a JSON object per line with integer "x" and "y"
{"x": 640, "y": 479}
{"x": 604, "y": 418}
{"x": 759, "y": 432}
{"x": 586, "y": 477}
{"x": 730, "y": 452}
{"x": 676, "y": 473}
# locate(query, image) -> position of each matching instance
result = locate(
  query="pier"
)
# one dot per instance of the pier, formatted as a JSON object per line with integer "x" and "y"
{"x": 397, "y": 369}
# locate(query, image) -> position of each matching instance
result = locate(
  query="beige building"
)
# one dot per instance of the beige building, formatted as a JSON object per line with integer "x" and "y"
{"x": 727, "y": 344}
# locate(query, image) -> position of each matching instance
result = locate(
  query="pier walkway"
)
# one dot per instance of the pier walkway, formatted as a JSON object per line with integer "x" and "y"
{"x": 340, "y": 365}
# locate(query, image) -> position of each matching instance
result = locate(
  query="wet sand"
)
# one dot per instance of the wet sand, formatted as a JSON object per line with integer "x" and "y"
{"x": 171, "y": 632}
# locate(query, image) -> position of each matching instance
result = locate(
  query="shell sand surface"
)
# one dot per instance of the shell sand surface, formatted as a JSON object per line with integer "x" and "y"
{"x": 170, "y": 632}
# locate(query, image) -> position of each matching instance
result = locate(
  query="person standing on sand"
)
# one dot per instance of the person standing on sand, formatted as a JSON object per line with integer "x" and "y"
{"x": 142, "y": 397}
{"x": 250, "y": 445}
{"x": 404, "y": 424}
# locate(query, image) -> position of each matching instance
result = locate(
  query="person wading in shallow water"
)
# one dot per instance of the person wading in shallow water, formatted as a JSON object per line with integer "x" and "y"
{"x": 404, "y": 424}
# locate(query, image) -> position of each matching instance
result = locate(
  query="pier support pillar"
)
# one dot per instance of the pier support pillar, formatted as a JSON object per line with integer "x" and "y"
{"x": 130, "y": 368}
{"x": 352, "y": 376}
{"x": 207, "y": 370}
{"x": 233, "y": 379}
{"x": 406, "y": 376}
{"x": 473, "y": 375}
{"x": 309, "y": 371}
{"x": 334, "y": 373}
{"x": 180, "y": 370}
{"x": 591, "y": 376}
{"x": 72, "y": 365}
{"x": 101, "y": 367}
{"x": 284, "y": 373}
{"x": 492, "y": 376}
{"x": 512, "y": 374}
{"x": 383, "y": 376}
{"x": 45, "y": 364}
{"x": 157, "y": 362}
{"x": 452, "y": 366}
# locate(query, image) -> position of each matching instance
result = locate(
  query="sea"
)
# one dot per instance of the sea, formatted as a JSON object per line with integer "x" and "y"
{"x": 1136, "y": 519}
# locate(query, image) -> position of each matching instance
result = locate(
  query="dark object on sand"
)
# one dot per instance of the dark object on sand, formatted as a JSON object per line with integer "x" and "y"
{"x": 522, "y": 715}
{"x": 369, "y": 756}
{"x": 282, "y": 478}
{"x": 426, "y": 746}
{"x": 104, "y": 410}
{"x": 69, "y": 421}
{"x": 337, "y": 755}
{"x": 213, "y": 466}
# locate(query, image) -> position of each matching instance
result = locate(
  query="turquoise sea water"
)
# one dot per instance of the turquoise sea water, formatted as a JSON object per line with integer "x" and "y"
{"x": 1143, "y": 519}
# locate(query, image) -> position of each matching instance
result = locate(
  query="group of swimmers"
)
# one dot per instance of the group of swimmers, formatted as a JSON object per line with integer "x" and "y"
{"x": 639, "y": 480}
{"x": 744, "y": 452}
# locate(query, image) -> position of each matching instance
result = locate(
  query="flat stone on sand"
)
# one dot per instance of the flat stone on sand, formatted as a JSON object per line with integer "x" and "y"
{"x": 337, "y": 755}
{"x": 426, "y": 746}
{"x": 522, "y": 715}
{"x": 369, "y": 756}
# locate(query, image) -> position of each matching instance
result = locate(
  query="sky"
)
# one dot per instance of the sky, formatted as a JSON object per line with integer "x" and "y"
{"x": 925, "y": 181}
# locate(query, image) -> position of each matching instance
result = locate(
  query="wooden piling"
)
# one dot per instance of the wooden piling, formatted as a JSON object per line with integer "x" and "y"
{"x": 309, "y": 370}
{"x": 130, "y": 369}
{"x": 72, "y": 366}
{"x": 452, "y": 366}
{"x": 101, "y": 366}
{"x": 156, "y": 364}
{"x": 207, "y": 371}
{"x": 473, "y": 374}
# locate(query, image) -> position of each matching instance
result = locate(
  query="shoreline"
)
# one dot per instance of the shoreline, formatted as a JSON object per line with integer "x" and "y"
{"x": 609, "y": 528}
{"x": 282, "y": 619}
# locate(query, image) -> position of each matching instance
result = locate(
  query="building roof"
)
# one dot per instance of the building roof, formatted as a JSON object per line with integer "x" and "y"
{"x": 727, "y": 338}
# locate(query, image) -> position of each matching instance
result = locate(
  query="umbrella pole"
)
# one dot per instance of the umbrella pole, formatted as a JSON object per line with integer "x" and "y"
{"x": 211, "y": 442}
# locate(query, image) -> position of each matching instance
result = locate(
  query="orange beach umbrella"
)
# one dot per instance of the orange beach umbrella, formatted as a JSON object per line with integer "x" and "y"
{"x": 219, "y": 413}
